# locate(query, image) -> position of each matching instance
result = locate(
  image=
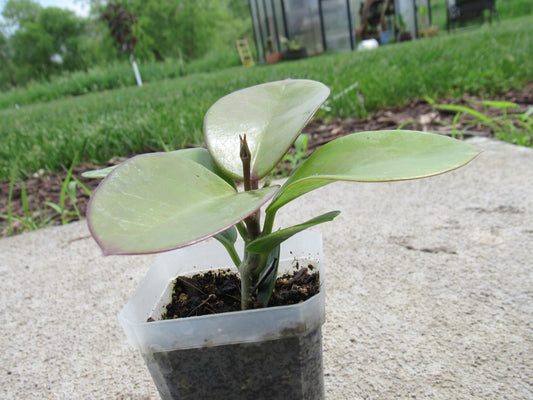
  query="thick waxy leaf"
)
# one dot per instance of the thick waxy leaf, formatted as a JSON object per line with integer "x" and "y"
{"x": 199, "y": 155}
{"x": 271, "y": 115}
{"x": 161, "y": 201}
{"x": 202, "y": 156}
{"x": 375, "y": 157}
{"x": 268, "y": 242}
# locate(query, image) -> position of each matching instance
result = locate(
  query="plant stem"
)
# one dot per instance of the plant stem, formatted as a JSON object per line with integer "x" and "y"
{"x": 253, "y": 221}
{"x": 250, "y": 269}
{"x": 252, "y": 264}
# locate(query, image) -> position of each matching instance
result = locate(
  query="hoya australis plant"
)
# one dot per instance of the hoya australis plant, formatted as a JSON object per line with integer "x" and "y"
{"x": 162, "y": 201}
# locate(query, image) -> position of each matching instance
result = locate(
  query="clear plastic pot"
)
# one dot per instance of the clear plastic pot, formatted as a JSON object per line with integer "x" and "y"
{"x": 266, "y": 353}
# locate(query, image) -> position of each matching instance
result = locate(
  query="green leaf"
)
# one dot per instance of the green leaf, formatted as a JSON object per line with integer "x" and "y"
{"x": 228, "y": 239}
{"x": 271, "y": 115}
{"x": 98, "y": 173}
{"x": 202, "y": 156}
{"x": 161, "y": 201}
{"x": 268, "y": 242}
{"x": 267, "y": 279}
{"x": 54, "y": 206}
{"x": 199, "y": 155}
{"x": 375, "y": 157}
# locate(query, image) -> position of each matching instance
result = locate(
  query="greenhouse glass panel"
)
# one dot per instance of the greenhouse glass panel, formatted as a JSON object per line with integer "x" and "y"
{"x": 336, "y": 23}
{"x": 303, "y": 24}
{"x": 256, "y": 23}
{"x": 279, "y": 16}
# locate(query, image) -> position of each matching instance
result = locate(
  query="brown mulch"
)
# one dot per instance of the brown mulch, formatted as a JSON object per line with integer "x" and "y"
{"x": 418, "y": 115}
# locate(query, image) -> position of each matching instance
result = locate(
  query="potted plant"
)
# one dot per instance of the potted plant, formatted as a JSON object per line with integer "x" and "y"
{"x": 402, "y": 33}
{"x": 294, "y": 50}
{"x": 272, "y": 56}
{"x": 163, "y": 201}
{"x": 426, "y": 31}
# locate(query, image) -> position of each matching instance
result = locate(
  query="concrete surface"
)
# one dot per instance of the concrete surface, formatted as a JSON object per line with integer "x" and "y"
{"x": 429, "y": 294}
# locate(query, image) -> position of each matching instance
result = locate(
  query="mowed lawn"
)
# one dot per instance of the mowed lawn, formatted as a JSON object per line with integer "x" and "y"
{"x": 168, "y": 114}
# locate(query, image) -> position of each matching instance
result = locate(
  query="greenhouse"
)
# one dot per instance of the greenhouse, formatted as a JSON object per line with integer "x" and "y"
{"x": 304, "y": 27}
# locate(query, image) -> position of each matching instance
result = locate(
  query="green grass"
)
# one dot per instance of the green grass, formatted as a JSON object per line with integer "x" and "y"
{"x": 511, "y": 125}
{"x": 169, "y": 114}
{"x": 118, "y": 75}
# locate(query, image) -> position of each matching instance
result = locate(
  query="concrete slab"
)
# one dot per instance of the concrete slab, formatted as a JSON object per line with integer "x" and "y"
{"x": 429, "y": 294}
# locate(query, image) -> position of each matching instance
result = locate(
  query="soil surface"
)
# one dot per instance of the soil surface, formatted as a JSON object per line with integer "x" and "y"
{"x": 418, "y": 115}
{"x": 218, "y": 292}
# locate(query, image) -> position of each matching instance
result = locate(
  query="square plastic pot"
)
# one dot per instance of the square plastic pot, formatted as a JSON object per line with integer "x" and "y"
{"x": 269, "y": 353}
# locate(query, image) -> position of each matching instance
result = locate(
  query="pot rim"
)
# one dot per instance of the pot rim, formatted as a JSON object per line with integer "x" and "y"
{"x": 225, "y": 328}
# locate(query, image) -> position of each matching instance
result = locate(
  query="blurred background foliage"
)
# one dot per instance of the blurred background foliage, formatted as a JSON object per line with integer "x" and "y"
{"x": 37, "y": 43}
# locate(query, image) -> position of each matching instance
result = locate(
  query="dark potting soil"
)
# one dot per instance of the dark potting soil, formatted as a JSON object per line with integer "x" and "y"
{"x": 289, "y": 367}
{"x": 216, "y": 292}
{"x": 286, "y": 368}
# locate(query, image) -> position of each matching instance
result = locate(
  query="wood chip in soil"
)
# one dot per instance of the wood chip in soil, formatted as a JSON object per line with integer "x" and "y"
{"x": 216, "y": 292}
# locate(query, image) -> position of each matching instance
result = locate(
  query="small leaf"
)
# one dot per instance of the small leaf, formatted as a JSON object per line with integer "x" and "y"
{"x": 98, "y": 173}
{"x": 54, "y": 206}
{"x": 379, "y": 156}
{"x": 71, "y": 191}
{"x": 198, "y": 154}
{"x": 228, "y": 239}
{"x": 229, "y": 236}
{"x": 267, "y": 279}
{"x": 268, "y": 242}
{"x": 271, "y": 115}
{"x": 161, "y": 201}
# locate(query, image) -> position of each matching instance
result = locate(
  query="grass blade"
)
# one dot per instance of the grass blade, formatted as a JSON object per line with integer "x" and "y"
{"x": 464, "y": 109}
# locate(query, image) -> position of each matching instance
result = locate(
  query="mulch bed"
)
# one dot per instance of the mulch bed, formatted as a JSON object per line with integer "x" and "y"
{"x": 418, "y": 115}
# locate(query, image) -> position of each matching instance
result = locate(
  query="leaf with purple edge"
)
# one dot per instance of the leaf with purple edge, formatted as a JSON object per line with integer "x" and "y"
{"x": 161, "y": 201}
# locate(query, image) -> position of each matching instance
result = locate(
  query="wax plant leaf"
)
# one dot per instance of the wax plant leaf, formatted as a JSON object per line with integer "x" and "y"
{"x": 374, "y": 157}
{"x": 271, "y": 116}
{"x": 228, "y": 239}
{"x": 161, "y": 201}
{"x": 266, "y": 243}
{"x": 267, "y": 279}
{"x": 199, "y": 155}
{"x": 202, "y": 156}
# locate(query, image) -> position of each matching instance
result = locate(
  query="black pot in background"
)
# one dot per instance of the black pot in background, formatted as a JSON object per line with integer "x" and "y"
{"x": 295, "y": 54}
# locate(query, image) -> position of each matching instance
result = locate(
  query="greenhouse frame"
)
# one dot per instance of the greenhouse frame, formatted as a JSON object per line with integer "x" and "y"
{"x": 328, "y": 25}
